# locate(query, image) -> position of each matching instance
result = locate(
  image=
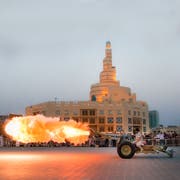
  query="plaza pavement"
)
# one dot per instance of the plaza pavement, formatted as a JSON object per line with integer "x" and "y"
{"x": 85, "y": 163}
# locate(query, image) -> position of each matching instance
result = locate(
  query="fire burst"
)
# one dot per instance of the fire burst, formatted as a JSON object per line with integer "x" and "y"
{"x": 42, "y": 129}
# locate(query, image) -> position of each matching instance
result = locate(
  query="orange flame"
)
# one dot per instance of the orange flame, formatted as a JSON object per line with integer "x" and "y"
{"x": 42, "y": 129}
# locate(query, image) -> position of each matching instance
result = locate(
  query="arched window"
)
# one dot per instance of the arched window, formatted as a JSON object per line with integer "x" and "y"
{"x": 93, "y": 98}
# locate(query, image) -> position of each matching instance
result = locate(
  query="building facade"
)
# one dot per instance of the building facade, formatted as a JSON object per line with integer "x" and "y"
{"x": 2, "y": 120}
{"x": 110, "y": 108}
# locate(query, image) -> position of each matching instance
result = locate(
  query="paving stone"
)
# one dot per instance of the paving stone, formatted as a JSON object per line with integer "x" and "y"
{"x": 83, "y": 163}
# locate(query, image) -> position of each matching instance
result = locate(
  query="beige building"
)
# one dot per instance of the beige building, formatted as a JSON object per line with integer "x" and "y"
{"x": 111, "y": 107}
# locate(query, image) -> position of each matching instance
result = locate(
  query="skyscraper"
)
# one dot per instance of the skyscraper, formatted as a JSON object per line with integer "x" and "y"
{"x": 153, "y": 119}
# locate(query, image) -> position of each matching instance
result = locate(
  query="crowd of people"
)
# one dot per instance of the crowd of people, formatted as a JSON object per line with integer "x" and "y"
{"x": 161, "y": 138}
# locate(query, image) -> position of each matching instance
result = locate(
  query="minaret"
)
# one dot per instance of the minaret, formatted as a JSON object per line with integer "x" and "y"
{"x": 108, "y": 53}
{"x": 108, "y": 75}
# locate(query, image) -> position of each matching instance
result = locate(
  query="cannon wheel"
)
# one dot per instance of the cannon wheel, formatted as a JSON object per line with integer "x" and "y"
{"x": 126, "y": 150}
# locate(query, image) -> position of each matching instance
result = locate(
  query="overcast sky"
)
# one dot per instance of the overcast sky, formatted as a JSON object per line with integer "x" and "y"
{"x": 55, "y": 48}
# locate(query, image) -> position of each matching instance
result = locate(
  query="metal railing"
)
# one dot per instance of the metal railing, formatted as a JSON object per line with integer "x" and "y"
{"x": 175, "y": 141}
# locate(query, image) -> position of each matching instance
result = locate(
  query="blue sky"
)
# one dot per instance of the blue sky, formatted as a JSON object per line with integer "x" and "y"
{"x": 55, "y": 48}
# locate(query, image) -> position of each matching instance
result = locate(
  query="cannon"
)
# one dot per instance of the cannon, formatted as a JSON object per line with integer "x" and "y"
{"x": 126, "y": 148}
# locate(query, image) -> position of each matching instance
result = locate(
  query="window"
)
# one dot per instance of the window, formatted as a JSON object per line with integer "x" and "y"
{"x": 75, "y": 112}
{"x": 101, "y": 112}
{"x": 144, "y": 121}
{"x": 144, "y": 129}
{"x": 66, "y": 118}
{"x": 110, "y": 112}
{"x": 129, "y": 121}
{"x": 118, "y": 128}
{"x": 118, "y": 112}
{"x": 101, "y": 128}
{"x": 92, "y": 120}
{"x": 119, "y": 120}
{"x": 57, "y": 112}
{"x": 66, "y": 112}
{"x": 110, "y": 119}
{"x": 101, "y": 120}
{"x": 92, "y": 112}
{"x": 110, "y": 128}
{"x": 129, "y": 112}
{"x": 129, "y": 128}
{"x": 93, "y": 98}
{"x": 136, "y": 120}
{"x": 134, "y": 113}
{"x": 85, "y": 120}
{"x": 84, "y": 112}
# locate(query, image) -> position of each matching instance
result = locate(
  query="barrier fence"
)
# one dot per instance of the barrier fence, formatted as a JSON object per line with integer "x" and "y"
{"x": 168, "y": 141}
{"x": 100, "y": 142}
